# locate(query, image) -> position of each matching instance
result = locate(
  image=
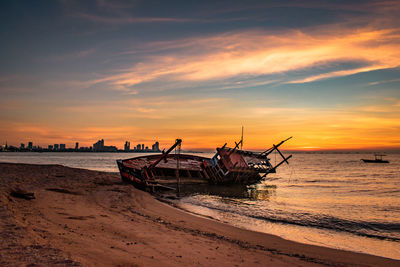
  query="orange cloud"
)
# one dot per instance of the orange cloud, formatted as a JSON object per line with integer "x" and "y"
{"x": 254, "y": 53}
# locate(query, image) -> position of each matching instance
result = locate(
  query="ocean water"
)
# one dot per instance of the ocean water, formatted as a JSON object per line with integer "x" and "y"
{"x": 84, "y": 160}
{"x": 327, "y": 199}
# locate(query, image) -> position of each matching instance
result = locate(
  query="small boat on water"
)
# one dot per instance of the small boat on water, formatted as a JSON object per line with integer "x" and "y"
{"x": 227, "y": 166}
{"x": 378, "y": 159}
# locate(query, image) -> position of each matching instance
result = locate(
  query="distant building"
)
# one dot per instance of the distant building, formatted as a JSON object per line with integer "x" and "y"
{"x": 127, "y": 146}
{"x": 62, "y": 147}
{"x": 50, "y": 147}
{"x": 22, "y": 146}
{"x": 30, "y": 145}
{"x": 55, "y": 147}
{"x": 110, "y": 149}
{"x": 76, "y": 146}
{"x": 98, "y": 146}
{"x": 138, "y": 147}
{"x": 142, "y": 147}
{"x": 155, "y": 147}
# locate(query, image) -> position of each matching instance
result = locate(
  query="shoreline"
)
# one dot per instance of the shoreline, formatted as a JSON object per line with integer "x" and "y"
{"x": 84, "y": 218}
{"x": 306, "y": 241}
{"x": 339, "y": 240}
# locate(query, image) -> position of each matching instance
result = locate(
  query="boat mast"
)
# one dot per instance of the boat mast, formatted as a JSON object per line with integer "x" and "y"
{"x": 241, "y": 140}
{"x": 164, "y": 155}
{"x": 177, "y": 152}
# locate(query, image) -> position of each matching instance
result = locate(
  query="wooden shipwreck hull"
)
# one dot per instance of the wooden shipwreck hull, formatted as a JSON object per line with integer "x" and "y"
{"x": 228, "y": 166}
{"x": 165, "y": 173}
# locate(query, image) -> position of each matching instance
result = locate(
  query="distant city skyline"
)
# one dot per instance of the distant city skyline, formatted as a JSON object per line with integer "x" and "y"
{"x": 98, "y": 146}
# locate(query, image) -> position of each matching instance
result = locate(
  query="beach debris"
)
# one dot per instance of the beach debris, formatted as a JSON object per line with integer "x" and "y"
{"x": 21, "y": 193}
{"x": 81, "y": 217}
{"x": 63, "y": 191}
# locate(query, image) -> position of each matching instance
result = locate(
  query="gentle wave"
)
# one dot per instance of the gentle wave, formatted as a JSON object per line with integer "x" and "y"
{"x": 379, "y": 230}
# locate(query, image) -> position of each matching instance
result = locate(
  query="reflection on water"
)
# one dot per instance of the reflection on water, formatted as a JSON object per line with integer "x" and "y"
{"x": 261, "y": 192}
{"x": 245, "y": 192}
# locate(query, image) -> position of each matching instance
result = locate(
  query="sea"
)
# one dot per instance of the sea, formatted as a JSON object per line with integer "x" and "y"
{"x": 327, "y": 199}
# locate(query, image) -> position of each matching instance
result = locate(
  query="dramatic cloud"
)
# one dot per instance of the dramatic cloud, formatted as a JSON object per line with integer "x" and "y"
{"x": 257, "y": 53}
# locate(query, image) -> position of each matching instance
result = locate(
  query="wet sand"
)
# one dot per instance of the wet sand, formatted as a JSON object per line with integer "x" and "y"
{"x": 89, "y": 218}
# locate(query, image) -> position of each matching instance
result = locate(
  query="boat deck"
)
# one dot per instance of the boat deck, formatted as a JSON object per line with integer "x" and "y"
{"x": 185, "y": 162}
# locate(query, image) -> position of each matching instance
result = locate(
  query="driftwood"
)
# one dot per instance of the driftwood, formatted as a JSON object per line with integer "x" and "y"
{"x": 20, "y": 193}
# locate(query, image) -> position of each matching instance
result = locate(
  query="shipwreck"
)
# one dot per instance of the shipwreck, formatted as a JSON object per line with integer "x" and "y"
{"x": 227, "y": 166}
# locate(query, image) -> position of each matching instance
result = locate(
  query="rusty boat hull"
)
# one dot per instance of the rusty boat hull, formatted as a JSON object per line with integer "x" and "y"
{"x": 227, "y": 166}
{"x": 182, "y": 168}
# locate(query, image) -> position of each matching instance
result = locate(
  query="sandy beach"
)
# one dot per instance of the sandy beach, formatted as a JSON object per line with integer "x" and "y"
{"x": 89, "y": 218}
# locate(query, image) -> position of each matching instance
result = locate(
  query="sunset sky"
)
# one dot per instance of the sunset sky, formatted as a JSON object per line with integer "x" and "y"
{"x": 325, "y": 72}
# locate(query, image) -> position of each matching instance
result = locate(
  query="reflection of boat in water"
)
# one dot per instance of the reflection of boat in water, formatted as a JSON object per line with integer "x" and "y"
{"x": 378, "y": 159}
{"x": 228, "y": 166}
{"x": 258, "y": 191}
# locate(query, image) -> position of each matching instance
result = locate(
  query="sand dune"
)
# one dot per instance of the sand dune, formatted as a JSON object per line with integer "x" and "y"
{"x": 89, "y": 218}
